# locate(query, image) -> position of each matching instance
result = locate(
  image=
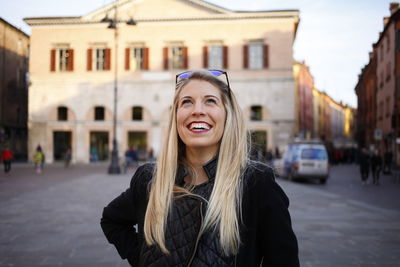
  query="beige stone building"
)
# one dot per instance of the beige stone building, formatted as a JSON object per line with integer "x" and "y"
{"x": 76, "y": 60}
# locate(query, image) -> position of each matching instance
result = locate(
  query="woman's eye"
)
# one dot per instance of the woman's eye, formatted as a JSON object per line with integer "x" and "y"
{"x": 186, "y": 101}
{"x": 211, "y": 100}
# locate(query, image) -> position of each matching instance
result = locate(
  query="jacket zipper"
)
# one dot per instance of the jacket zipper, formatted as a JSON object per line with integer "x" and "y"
{"x": 198, "y": 236}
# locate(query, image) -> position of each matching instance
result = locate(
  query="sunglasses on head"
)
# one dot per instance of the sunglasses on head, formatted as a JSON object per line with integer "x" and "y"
{"x": 217, "y": 73}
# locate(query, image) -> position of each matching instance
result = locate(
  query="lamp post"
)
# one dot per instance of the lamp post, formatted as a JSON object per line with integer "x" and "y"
{"x": 114, "y": 167}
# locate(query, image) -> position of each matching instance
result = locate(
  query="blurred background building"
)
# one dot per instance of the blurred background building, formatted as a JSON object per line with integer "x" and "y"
{"x": 137, "y": 47}
{"x": 378, "y": 91}
{"x": 14, "y": 51}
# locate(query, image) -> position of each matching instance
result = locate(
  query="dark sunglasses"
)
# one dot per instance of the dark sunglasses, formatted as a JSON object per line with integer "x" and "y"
{"x": 217, "y": 73}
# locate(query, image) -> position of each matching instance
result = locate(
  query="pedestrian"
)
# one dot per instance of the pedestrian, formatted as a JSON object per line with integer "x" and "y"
{"x": 376, "y": 167}
{"x": 364, "y": 161}
{"x": 387, "y": 162}
{"x": 7, "y": 157}
{"x": 68, "y": 157}
{"x": 204, "y": 203}
{"x": 150, "y": 155}
{"x": 38, "y": 159}
{"x": 93, "y": 154}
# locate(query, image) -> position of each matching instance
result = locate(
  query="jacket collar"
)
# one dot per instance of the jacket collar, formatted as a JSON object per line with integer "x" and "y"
{"x": 209, "y": 167}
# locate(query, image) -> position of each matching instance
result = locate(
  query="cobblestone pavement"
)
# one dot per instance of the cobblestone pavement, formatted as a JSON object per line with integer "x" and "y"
{"x": 52, "y": 219}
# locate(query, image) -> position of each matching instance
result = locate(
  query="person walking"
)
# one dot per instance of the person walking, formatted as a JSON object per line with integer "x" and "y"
{"x": 376, "y": 167}
{"x": 364, "y": 161}
{"x": 68, "y": 157}
{"x": 387, "y": 162}
{"x": 204, "y": 202}
{"x": 38, "y": 159}
{"x": 7, "y": 157}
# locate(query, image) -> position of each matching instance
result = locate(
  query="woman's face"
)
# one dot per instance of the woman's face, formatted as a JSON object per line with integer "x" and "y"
{"x": 200, "y": 116}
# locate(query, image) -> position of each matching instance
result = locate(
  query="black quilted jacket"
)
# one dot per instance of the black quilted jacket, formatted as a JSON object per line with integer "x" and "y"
{"x": 266, "y": 232}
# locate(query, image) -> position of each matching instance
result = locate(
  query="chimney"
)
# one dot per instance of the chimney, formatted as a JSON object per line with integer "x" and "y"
{"x": 385, "y": 21}
{"x": 394, "y": 6}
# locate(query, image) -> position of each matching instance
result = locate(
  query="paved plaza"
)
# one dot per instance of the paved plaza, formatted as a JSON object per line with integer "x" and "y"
{"x": 52, "y": 219}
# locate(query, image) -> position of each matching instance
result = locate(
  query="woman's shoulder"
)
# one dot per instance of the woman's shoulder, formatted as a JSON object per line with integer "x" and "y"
{"x": 259, "y": 179}
{"x": 142, "y": 176}
{"x": 259, "y": 170}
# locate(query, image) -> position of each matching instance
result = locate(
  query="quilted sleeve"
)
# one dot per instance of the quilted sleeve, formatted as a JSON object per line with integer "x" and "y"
{"x": 279, "y": 243}
{"x": 119, "y": 218}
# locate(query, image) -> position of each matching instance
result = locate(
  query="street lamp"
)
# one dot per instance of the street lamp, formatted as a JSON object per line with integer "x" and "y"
{"x": 113, "y": 24}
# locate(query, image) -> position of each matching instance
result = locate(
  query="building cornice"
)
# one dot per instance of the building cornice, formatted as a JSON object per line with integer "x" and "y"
{"x": 281, "y": 14}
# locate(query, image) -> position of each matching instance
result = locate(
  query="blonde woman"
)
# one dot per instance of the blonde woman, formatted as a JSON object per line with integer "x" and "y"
{"x": 204, "y": 203}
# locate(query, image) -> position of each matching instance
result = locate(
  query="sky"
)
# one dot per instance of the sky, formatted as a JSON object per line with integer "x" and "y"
{"x": 334, "y": 36}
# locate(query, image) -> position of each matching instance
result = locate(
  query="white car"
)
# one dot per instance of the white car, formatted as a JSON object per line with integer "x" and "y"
{"x": 304, "y": 160}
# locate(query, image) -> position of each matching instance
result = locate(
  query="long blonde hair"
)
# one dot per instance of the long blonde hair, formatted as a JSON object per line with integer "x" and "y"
{"x": 224, "y": 207}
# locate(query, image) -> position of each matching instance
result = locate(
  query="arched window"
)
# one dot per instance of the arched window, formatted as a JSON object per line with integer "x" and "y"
{"x": 62, "y": 113}
{"x": 99, "y": 113}
{"x": 256, "y": 113}
{"x": 137, "y": 113}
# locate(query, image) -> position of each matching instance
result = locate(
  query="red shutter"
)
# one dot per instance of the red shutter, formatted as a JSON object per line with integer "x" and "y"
{"x": 146, "y": 58}
{"x": 108, "y": 59}
{"x": 205, "y": 57}
{"x": 185, "y": 57}
{"x": 70, "y": 66}
{"x": 266, "y": 56}
{"x": 245, "y": 56}
{"x": 53, "y": 60}
{"x": 127, "y": 58}
{"x": 225, "y": 57}
{"x": 165, "y": 58}
{"x": 89, "y": 59}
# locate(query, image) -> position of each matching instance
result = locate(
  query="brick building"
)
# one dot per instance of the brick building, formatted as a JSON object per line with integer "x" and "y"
{"x": 14, "y": 50}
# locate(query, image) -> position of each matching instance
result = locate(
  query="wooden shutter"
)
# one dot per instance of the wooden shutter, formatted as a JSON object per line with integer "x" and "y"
{"x": 205, "y": 57}
{"x": 245, "y": 56}
{"x": 52, "y": 60}
{"x": 185, "y": 57}
{"x": 146, "y": 58}
{"x": 266, "y": 56}
{"x": 127, "y": 58}
{"x": 225, "y": 57}
{"x": 70, "y": 66}
{"x": 165, "y": 58}
{"x": 108, "y": 59}
{"x": 89, "y": 59}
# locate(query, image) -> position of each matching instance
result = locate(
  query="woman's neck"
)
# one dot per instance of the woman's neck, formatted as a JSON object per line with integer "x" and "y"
{"x": 197, "y": 158}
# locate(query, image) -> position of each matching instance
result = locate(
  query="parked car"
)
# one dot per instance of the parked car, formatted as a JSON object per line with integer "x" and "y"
{"x": 304, "y": 161}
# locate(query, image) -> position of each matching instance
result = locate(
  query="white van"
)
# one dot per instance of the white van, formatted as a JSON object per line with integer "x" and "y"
{"x": 304, "y": 160}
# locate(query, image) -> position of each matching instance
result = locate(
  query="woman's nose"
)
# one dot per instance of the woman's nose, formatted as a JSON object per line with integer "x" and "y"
{"x": 198, "y": 109}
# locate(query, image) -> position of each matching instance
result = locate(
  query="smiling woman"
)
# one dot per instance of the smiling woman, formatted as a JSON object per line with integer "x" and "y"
{"x": 204, "y": 203}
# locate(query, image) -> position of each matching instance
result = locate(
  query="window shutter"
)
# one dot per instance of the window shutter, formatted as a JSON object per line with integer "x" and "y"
{"x": 53, "y": 60}
{"x": 165, "y": 58}
{"x": 225, "y": 57}
{"x": 266, "y": 56}
{"x": 205, "y": 57}
{"x": 146, "y": 58}
{"x": 89, "y": 59}
{"x": 70, "y": 66}
{"x": 245, "y": 56}
{"x": 127, "y": 58}
{"x": 185, "y": 57}
{"x": 108, "y": 59}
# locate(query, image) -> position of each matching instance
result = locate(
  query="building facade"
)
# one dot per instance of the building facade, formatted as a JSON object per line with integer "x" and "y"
{"x": 14, "y": 50}
{"x": 304, "y": 83}
{"x": 76, "y": 61}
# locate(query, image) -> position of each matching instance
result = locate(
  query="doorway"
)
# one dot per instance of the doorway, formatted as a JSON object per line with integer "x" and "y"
{"x": 138, "y": 139}
{"x": 258, "y": 145}
{"x": 62, "y": 140}
{"x": 99, "y": 147}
